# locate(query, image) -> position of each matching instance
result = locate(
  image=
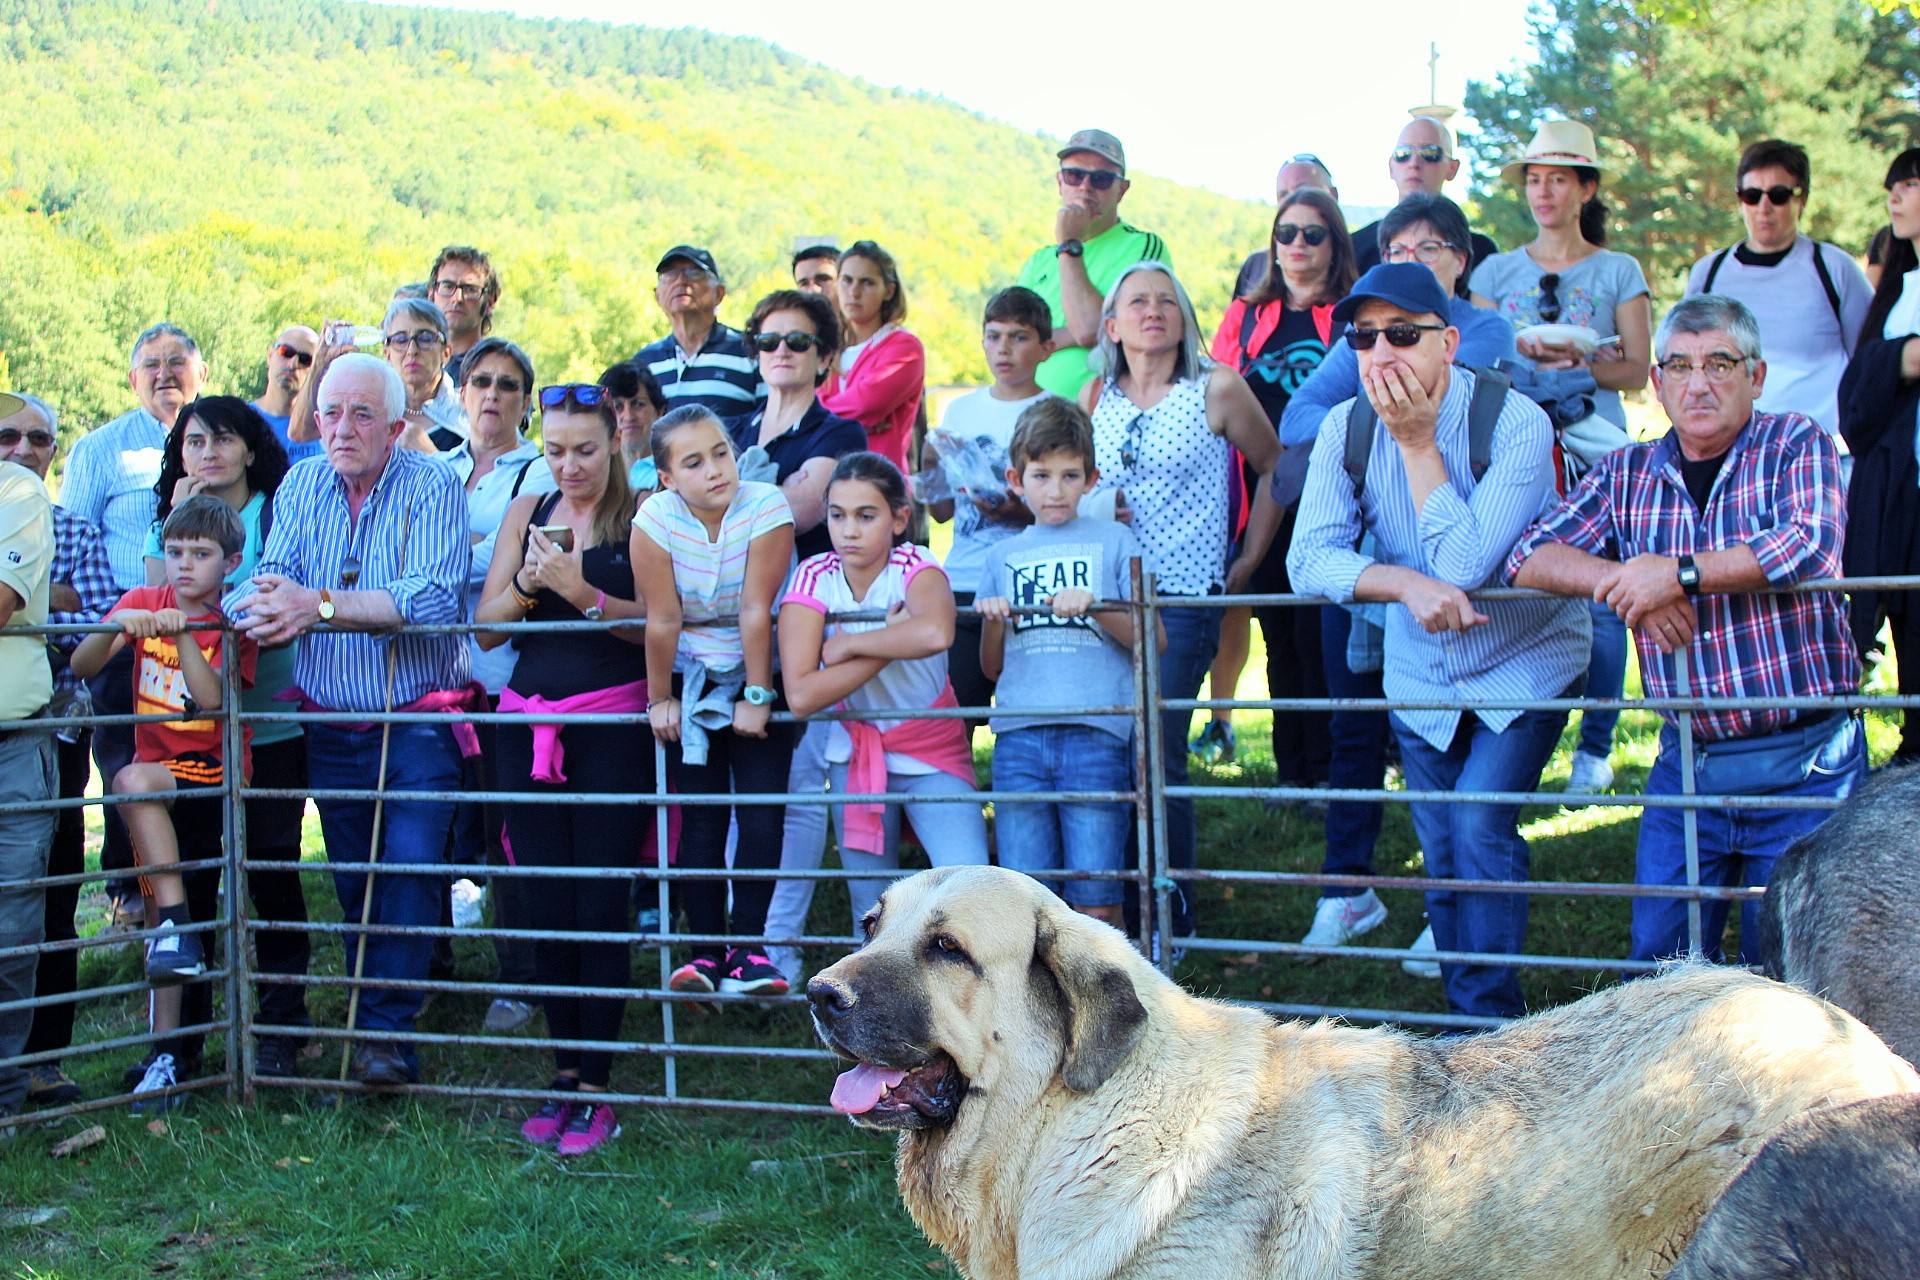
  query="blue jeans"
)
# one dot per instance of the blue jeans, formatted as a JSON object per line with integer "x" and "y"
{"x": 954, "y": 835}
{"x": 1040, "y": 837}
{"x": 28, "y": 775}
{"x": 1737, "y": 846}
{"x": 420, "y": 757}
{"x": 1606, "y": 678}
{"x": 1193, "y": 636}
{"x": 1478, "y": 842}
{"x": 1358, "y": 760}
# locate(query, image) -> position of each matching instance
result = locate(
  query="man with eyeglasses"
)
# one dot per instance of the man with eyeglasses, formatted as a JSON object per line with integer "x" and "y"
{"x": 289, "y": 363}
{"x": 1302, "y": 170}
{"x": 1809, "y": 297}
{"x": 1442, "y": 522}
{"x": 1091, "y": 249}
{"x": 376, "y": 538}
{"x": 464, "y": 285}
{"x": 700, "y": 361}
{"x": 1677, "y": 536}
{"x": 1422, "y": 160}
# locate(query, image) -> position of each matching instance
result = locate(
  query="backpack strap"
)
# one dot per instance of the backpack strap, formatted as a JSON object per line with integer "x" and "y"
{"x": 1361, "y": 420}
{"x": 1490, "y": 389}
{"x": 1713, "y": 270}
{"x": 1249, "y": 319}
{"x": 520, "y": 479}
{"x": 1826, "y": 282}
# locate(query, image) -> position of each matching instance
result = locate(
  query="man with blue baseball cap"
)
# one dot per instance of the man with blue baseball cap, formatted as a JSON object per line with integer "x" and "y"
{"x": 1444, "y": 471}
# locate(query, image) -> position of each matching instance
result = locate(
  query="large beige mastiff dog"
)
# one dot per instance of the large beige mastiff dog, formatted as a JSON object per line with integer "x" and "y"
{"x": 1067, "y": 1113}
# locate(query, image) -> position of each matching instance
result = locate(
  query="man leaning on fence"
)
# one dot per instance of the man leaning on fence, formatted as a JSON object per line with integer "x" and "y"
{"x": 374, "y": 539}
{"x": 1445, "y": 503}
{"x": 27, "y": 772}
{"x": 1729, "y": 501}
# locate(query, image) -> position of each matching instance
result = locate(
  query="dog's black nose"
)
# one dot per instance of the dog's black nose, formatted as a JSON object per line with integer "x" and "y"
{"x": 829, "y": 1000}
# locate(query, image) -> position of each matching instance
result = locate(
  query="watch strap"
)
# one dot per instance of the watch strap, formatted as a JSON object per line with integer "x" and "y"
{"x": 1072, "y": 248}
{"x": 1689, "y": 573}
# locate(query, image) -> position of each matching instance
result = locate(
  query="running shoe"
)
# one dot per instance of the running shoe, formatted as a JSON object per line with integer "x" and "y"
{"x": 591, "y": 1124}
{"x": 1338, "y": 921}
{"x": 172, "y": 956}
{"x": 1215, "y": 745}
{"x": 544, "y": 1127}
{"x": 159, "y": 1075}
{"x": 749, "y": 973}
{"x": 700, "y": 975}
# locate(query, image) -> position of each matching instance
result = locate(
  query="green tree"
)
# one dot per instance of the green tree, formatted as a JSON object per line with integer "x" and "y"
{"x": 1673, "y": 102}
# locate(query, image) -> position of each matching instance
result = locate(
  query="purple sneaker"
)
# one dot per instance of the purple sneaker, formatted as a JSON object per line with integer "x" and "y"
{"x": 546, "y": 1125}
{"x": 592, "y": 1124}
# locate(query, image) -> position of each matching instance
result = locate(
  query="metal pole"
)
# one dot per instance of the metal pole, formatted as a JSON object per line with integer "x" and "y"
{"x": 660, "y": 829}
{"x": 239, "y": 987}
{"x": 1155, "y": 851}
{"x": 1689, "y": 816}
{"x": 1145, "y": 637}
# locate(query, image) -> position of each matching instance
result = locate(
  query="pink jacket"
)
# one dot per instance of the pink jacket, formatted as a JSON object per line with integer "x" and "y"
{"x": 940, "y": 743}
{"x": 882, "y": 392}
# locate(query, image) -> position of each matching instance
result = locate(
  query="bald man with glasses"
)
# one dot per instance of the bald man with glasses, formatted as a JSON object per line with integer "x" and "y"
{"x": 1422, "y": 160}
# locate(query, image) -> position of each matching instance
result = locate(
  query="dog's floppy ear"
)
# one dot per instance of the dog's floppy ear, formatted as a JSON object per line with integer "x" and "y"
{"x": 1103, "y": 1018}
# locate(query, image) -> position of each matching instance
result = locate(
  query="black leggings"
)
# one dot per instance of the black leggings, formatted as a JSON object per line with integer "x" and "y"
{"x": 598, "y": 758}
{"x": 743, "y": 766}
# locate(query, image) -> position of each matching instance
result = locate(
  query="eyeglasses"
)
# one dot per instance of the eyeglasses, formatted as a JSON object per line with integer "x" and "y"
{"x": 419, "y": 339}
{"x": 1404, "y": 334}
{"x": 1718, "y": 367}
{"x": 287, "y": 351}
{"x": 1427, "y": 251}
{"x": 1314, "y": 234}
{"x": 467, "y": 292}
{"x": 795, "y": 340}
{"x": 689, "y": 275}
{"x": 173, "y": 364}
{"x": 1549, "y": 308}
{"x": 508, "y": 384}
{"x": 587, "y": 395}
{"x": 1432, "y": 153}
{"x": 1098, "y": 179}
{"x": 10, "y": 437}
{"x": 1776, "y": 195}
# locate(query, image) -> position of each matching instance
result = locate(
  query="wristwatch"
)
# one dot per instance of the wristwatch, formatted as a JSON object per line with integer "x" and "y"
{"x": 1689, "y": 576}
{"x": 757, "y": 694}
{"x": 1072, "y": 248}
{"x": 598, "y": 609}
{"x": 326, "y": 606}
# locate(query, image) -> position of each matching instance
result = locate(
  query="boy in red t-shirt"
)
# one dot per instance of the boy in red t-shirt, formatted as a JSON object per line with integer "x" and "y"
{"x": 177, "y": 671}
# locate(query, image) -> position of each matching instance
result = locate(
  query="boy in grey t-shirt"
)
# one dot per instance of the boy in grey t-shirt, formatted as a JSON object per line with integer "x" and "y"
{"x": 1068, "y": 563}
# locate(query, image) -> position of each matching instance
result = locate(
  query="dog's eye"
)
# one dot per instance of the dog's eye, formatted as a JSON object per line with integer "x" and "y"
{"x": 948, "y": 943}
{"x": 867, "y": 926}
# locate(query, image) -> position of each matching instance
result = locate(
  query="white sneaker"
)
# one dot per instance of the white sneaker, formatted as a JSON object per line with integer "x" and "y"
{"x": 160, "y": 1074}
{"x": 1423, "y": 968}
{"x": 1590, "y": 774}
{"x": 1338, "y": 921}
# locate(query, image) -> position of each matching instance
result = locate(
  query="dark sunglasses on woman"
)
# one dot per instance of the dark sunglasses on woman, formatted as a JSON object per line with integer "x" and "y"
{"x": 1098, "y": 179}
{"x": 508, "y": 384}
{"x": 1776, "y": 195}
{"x": 1315, "y": 234}
{"x": 1404, "y": 334}
{"x": 587, "y": 395}
{"x": 795, "y": 340}
{"x": 287, "y": 351}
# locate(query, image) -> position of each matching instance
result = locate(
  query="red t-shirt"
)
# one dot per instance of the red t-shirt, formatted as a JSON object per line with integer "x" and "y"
{"x": 191, "y": 749}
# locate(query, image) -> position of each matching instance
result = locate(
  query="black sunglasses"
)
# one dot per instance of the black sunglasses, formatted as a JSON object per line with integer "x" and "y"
{"x": 349, "y": 570}
{"x": 1432, "y": 153}
{"x": 10, "y": 436}
{"x": 1778, "y": 195}
{"x": 795, "y": 340}
{"x": 1549, "y": 308}
{"x": 508, "y": 384}
{"x": 1098, "y": 179}
{"x": 1404, "y": 334}
{"x": 1287, "y": 232}
{"x": 287, "y": 351}
{"x": 587, "y": 395}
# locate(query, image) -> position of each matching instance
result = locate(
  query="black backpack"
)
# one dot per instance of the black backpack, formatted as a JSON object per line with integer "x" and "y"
{"x": 1483, "y": 411}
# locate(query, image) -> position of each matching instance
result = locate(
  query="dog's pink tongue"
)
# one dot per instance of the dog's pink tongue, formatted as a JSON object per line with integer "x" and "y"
{"x": 856, "y": 1091}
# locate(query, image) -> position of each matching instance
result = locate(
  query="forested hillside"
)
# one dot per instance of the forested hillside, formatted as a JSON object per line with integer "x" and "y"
{"x": 235, "y": 166}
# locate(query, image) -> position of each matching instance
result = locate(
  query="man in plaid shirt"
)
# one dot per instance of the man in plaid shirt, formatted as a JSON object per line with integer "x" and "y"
{"x": 1675, "y": 535}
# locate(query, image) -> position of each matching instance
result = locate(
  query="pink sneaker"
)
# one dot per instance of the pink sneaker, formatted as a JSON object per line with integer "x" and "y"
{"x": 700, "y": 975}
{"x": 546, "y": 1125}
{"x": 592, "y": 1124}
{"x": 748, "y": 973}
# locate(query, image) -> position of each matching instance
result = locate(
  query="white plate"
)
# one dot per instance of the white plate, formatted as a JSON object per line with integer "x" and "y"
{"x": 1578, "y": 336}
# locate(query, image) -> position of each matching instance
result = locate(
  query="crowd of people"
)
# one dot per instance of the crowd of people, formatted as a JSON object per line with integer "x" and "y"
{"x": 1389, "y": 419}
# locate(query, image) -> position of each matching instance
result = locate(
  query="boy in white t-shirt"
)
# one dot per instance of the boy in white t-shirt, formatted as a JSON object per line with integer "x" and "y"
{"x": 1016, "y": 334}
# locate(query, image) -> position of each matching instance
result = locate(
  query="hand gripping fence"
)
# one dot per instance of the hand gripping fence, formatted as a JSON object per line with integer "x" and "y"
{"x": 690, "y": 1054}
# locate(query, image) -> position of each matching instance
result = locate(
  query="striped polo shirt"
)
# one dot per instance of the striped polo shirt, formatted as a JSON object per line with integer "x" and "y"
{"x": 710, "y": 573}
{"x": 723, "y": 375}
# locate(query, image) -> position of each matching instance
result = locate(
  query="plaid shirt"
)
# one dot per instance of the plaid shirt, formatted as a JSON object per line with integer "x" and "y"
{"x": 1778, "y": 493}
{"x": 80, "y": 561}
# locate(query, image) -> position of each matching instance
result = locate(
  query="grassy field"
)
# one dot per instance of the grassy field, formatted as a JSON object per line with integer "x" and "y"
{"x": 429, "y": 1187}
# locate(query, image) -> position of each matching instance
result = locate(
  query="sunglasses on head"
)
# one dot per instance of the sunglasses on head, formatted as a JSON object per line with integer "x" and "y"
{"x": 1549, "y": 308}
{"x": 287, "y": 351}
{"x": 1777, "y": 195}
{"x": 1098, "y": 179}
{"x": 1432, "y": 153}
{"x": 587, "y": 395}
{"x": 1314, "y": 234}
{"x": 11, "y": 436}
{"x": 508, "y": 384}
{"x": 795, "y": 340}
{"x": 1404, "y": 334}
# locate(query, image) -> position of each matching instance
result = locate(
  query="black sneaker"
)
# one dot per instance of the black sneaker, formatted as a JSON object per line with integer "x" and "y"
{"x": 277, "y": 1056}
{"x": 173, "y": 956}
{"x": 749, "y": 973}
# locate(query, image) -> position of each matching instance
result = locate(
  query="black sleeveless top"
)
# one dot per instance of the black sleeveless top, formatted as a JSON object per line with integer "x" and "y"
{"x": 559, "y": 664}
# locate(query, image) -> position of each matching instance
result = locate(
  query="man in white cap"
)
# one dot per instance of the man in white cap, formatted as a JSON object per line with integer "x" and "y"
{"x": 1422, "y": 159}
{"x": 1091, "y": 248}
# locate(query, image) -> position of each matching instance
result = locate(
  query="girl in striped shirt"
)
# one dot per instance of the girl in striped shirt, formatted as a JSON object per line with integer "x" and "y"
{"x": 709, "y": 552}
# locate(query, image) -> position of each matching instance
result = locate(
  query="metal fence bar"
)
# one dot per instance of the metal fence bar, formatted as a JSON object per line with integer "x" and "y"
{"x": 1141, "y": 653}
{"x": 1689, "y": 816}
{"x": 671, "y": 1065}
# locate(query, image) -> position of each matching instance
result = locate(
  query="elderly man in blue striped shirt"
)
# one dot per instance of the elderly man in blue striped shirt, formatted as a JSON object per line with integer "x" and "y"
{"x": 364, "y": 540}
{"x": 1439, "y": 532}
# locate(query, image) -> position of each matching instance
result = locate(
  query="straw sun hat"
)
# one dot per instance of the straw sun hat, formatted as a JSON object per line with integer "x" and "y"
{"x": 1559, "y": 142}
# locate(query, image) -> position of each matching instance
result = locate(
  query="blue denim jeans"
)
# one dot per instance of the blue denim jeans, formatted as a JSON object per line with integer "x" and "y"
{"x": 420, "y": 757}
{"x": 1606, "y": 678}
{"x": 1193, "y": 636}
{"x": 1041, "y": 837}
{"x": 28, "y": 775}
{"x": 1737, "y": 846}
{"x": 1478, "y": 842}
{"x": 1358, "y": 759}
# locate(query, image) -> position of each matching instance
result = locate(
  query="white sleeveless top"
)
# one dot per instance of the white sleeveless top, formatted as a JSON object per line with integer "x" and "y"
{"x": 1173, "y": 470}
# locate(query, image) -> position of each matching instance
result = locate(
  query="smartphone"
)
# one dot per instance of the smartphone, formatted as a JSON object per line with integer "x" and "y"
{"x": 559, "y": 535}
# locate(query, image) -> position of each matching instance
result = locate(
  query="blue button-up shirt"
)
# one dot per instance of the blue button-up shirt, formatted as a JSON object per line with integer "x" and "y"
{"x": 109, "y": 482}
{"x": 1528, "y": 649}
{"x": 410, "y": 541}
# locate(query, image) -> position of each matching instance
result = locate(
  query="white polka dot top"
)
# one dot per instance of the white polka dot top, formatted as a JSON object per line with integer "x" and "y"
{"x": 1173, "y": 470}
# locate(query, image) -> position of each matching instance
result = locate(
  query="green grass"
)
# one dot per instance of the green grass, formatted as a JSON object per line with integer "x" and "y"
{"x": 430, "y": 1187}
